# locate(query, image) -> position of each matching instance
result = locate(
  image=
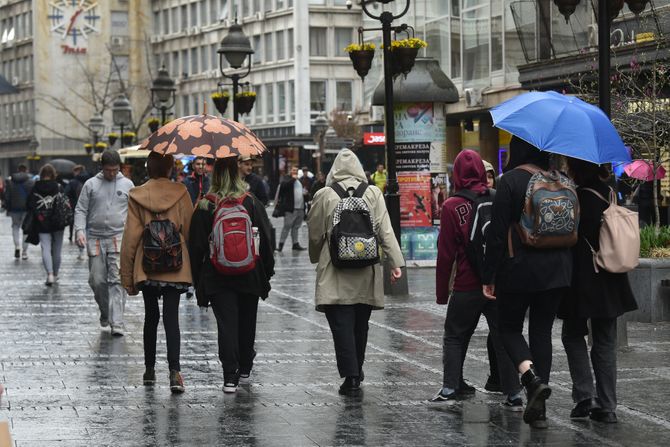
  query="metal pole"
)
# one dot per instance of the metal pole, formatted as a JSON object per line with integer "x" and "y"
{"x": 319, "y": 159}
{"x": 604, "y": 94}
{"x": 163, "y": 115}
{"x": 236, "y": 84}
{"x": 121, "y": 136}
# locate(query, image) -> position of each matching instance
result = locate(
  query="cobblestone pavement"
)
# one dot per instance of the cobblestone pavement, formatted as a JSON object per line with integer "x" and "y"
{"x": 70, "y": 383}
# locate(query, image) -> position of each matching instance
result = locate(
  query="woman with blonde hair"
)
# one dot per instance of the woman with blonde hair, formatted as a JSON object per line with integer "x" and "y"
{"x": 232, "y": 295}
{"x": 163, "y": 205}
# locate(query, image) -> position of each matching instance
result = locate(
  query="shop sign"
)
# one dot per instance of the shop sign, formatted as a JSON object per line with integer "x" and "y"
{"x": 374, "y": 139}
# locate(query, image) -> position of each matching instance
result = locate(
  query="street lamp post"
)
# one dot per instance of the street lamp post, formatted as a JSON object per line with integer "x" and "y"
{"x": 122, "y": 113}
{"x": 163, "y": 93}
{"x": 320, "y": 128}
{"x": 96, "y": 127}
{"x": 235, "y": 47}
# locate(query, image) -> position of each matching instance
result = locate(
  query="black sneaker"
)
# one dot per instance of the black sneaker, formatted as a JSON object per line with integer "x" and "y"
{"x": 465, "y": 388}
{"x": 298, "y": 247}
{"x": 441, "y": 397}
{"x": 176, "y": 382}
{"x": 584, "y": 408}
{"x": 513, "y": 404}
{"x": 492, "y": 385}
{"x": 230, "y": 382}
{"x": 149, "y": 377}
{"x": 607, "y": 417}
{"x": 280, "y": 247}
{"x": 350, "y": 387}
{"x": 17, "y": 253}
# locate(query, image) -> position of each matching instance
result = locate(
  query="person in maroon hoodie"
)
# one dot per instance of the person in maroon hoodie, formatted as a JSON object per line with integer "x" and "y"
{"x": 465, "y": 298}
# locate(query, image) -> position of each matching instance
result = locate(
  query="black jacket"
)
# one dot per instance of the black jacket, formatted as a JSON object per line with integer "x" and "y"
{"x": 73, "y": 189}
{"x": 257, "y": 188}
{"x": 531, "y": 269}
{"x": 285, "y": 198}
{"x": 594, "y": 295}
{"x": 17, "y": 190}
{"x": 46, "y": 189}
{"x": 206, "y": 280}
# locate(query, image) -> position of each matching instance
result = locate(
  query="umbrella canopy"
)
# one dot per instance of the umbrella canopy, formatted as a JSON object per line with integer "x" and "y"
{"x": 62, "y": 166}
{"x": 643, "y": 170}
{"x": 205, "y": 136}
{"x": 563, "y": 125}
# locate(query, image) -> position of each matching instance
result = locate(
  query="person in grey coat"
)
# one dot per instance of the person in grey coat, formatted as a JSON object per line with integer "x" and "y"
{"x": 348, "y": 296}
{"x": 99, "y": 218}
{"x": 17, "y": 190}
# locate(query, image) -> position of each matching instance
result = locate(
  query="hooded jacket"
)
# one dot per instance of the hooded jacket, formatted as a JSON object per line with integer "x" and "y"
{"x": 348, "y": 286}
{"x": 17, "y": 190}
{"x": 531, "y": 269}
{"x": 157, "y": 198}
{"x": 470, "y": 174}
{"x": 40, "y": 198}
{"x": 102, "y": 206}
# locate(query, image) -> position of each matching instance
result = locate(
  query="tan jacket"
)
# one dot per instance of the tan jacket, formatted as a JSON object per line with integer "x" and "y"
{"x": 170, "y": 200}
{"x": 349, "y": 286}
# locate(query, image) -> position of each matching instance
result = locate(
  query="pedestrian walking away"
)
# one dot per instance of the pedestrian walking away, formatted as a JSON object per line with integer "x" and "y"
{"x": 292, "y": 199}
{"x": 233, "y": 295}
{"x": 198, "y": 182}
{"x": 154, "y": 259}
{"x": 16, "y": 192}
{"x": 465, "y": 300}
{"x": 349, "y": 295}
{"x": 596, "y": 296}
{"x": 521, "y": 277}
{"x": 41, "y": 205}
{"x": 99, "y": 219}
{"x": 255, "y": 182}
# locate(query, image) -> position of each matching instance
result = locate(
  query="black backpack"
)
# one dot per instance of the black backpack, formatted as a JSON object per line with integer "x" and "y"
{"x": 353, "y": 240}
{"x": 62, "y": 214}
{"x": 480, "y": 219}
{"x": 161, "y": 241}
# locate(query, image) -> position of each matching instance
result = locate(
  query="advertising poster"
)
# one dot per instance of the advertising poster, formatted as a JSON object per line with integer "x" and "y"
{"x": 412, "y": 157}
{"x": 439, "y": 191}
{"x": 415, "y": 210}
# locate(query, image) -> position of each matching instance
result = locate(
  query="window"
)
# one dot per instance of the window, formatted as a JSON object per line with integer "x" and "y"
{"x": 184, "y": 63}
{"x": 184, "y": 17}
{"x": 194, "y": 14}
{"x": 175, "y": 20}
{"x": 256, "y": 6}
{"x": 281, "y": 101}
{"x": 317, "y": 2}
{"x": 256, "y": 57}
{"x": 270, "y": 103}
{"x": 455, "y": 46}
{"x": 166, "y": 21}
{"x": 194, "y": 61}
{"x": 280, "y": 4}
{"x": 281, "y": 45}
{"x": 215, "y": 57}
{"x": 268, "y": 47}
{"x": 204, "y": 58}
{"x": 290, "y": 99}
{"x": 343, "y": 37}
{"x": 157, "y": 22}
{"x": 184, "y": 105}
{"x": 119, "y": 23}
{"x": 317, "y": 41}
{"x": 290, "y": 45}
{"x": 203, "y": 13}
{"x": 174, "y": 66}
{"x": 317, "y": 96}
{"x": 214, "y": 11}
{"x": 343, "y": 95}
{"x": 476, "y": 28}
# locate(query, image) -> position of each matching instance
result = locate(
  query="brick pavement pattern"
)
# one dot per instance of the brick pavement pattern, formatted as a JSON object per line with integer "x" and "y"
{"x": 69, "y": 383}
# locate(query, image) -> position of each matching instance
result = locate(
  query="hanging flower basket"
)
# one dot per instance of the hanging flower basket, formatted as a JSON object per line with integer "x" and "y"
{"x": 153, "y": 124}
{"x": 403, "y": 54}
{"x": 112, "y": 137}
{"x": 100, "y": 146}
{"x": 88, "y": 147}
{"x": 220, "y": 100}
{"x": 244, "y": 102}
{"x": 127, "y": 138}
{"x": 361, "y": 56}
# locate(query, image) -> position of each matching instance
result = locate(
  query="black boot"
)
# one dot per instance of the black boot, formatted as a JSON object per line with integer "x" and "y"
{"x": 281, "y": 246}
{"x": 541, "y": 421}
{"x": 351, "y": 386}
{"x": 536, "y": 393}
{"x": 298, "y": 247}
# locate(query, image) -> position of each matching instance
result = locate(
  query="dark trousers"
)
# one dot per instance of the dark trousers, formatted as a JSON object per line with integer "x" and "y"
{"x": 349, "y": 325}
{"x": 603, "y": 359}
{"x": 512, "y": 309}
{"x": 493, "y": 363}
{"x": 463, "y": 313}
{"x": 170, "y": 322}
{"x": 236, "y": 324}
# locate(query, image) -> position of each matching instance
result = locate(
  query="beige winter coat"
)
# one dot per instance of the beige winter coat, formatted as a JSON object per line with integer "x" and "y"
{"x": 349, "y": 286}
{"x": 170, "y": 200}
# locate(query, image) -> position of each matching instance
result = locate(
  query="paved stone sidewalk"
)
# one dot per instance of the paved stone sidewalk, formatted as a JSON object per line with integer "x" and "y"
{"x": 70, "y": 383}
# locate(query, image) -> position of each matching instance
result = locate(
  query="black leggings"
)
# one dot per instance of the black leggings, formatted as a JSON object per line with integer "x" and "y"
{"x": 512, "y": 309}
{"x": 170, "y": 322}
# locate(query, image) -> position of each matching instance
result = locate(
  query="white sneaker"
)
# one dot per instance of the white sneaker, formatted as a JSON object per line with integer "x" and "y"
{"x": 117, "y": 331}
{"x": 80, "y": 257}
{"x": 245, "y": 379}
{"x": 50, "y": 279}
{"x": 24, "y": 256}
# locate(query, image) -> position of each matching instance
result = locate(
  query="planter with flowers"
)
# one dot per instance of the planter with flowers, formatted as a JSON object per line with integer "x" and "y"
{"x": 112, "y": 137}
{"x": 127, "y": 138}
{"x": 220, "y": 100}
{"x": 88, "y": 147}
{"x": 361, "y": 55}
{"x": 404, "y": 52}
{"x": 153, "y": 124}
{"x": 244, "y": 102}
{"x": 100, "y": 146}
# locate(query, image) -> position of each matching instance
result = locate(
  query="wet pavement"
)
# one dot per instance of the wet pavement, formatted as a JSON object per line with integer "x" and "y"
{"x": 68, "y": 382}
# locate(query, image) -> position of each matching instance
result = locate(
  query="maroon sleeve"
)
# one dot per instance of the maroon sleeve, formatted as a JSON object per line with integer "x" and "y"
{"x": 446, "y": 252}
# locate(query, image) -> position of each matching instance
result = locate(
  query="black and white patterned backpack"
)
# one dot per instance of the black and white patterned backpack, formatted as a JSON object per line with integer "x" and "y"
{"x": 353, "y": 240}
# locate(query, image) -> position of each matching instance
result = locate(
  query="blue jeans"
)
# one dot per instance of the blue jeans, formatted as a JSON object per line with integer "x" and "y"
{"x": 52, "y": 244}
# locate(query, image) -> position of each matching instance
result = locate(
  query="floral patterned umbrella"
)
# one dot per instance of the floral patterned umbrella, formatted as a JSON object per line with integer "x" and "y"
{"x": 205, "y": 136}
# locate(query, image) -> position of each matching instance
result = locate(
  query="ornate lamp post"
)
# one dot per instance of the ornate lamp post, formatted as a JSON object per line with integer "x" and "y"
{"x": 122, "y": 113}
{"x": 163, "y": 93}
{"x": 96, "y": 126}
{"x": 320, "y": 127}
{"x": 235, "y": 47}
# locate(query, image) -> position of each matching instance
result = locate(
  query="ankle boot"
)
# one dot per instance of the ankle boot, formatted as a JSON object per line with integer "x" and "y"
{"x": 541, "y": 421}
{"x": 536, "y": 393}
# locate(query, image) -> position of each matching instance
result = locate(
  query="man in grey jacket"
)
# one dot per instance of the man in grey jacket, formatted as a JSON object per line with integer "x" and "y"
{"x": 99, "y": 218}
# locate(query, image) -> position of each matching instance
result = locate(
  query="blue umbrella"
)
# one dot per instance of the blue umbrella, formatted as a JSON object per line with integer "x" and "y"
{"x": 563, "y": 125}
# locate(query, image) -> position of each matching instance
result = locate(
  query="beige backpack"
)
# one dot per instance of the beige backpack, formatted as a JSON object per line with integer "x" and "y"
{"x": 619, "y": 237}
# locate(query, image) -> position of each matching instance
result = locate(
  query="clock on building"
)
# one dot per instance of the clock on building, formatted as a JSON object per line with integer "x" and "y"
{"x": 74, "y": 19}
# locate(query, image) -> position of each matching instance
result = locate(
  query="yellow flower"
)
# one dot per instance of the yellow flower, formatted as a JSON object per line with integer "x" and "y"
{"x": 242, "y": 94}
{"x": 223, "y": 94}
{"x": 409, "y": 43}
{"x": 360, "y": 47}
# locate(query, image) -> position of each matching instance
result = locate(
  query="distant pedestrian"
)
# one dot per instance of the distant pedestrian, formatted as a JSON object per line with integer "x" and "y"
{"x": 599, "y": 297}
{"x": 41, "y": 205}
{"x": 379, "y": 177}
{"x": 198, "y": 182}
{"x": 73, "y": 190}
{"x": 17, "y": 189}
{"x": 157, "y": 200}
{"x": 99, "y": 219}
{"x": 349, "y": 295}
{"x": 233, "y": 297}
{"x": 292, "y": 200}
{"x": 306, "y": 178}
{"x": 319, "y": 182}
{"x": 255, "y": 182}
{"x": 522, "y": 277}
{"x": 465, "y": 300}
{"x": 490, "y": 175}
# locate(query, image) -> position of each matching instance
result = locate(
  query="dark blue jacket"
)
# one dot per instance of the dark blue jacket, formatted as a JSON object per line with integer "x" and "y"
{"x": 197, "y": 185}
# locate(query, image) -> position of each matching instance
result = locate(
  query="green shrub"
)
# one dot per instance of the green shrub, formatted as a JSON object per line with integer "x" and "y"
{"x": 652, "y": 244}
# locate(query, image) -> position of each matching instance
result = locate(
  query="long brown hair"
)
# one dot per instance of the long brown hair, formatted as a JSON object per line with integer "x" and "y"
{"x": 226, "y": 181}
{"x": 585, "y": 173}
{"x": 48, "y": 171}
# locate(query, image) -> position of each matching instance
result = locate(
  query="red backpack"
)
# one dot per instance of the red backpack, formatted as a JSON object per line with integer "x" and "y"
{"x": 232, "y": 249}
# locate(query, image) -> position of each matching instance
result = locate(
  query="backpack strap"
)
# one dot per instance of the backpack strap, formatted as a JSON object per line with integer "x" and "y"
{"x": 360, "y": 190}
{"x": 339, "y": 190}
{"x": 529, "y": 168}
{"x": 600, "y": 196}
{"x": 467, "y": 194}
